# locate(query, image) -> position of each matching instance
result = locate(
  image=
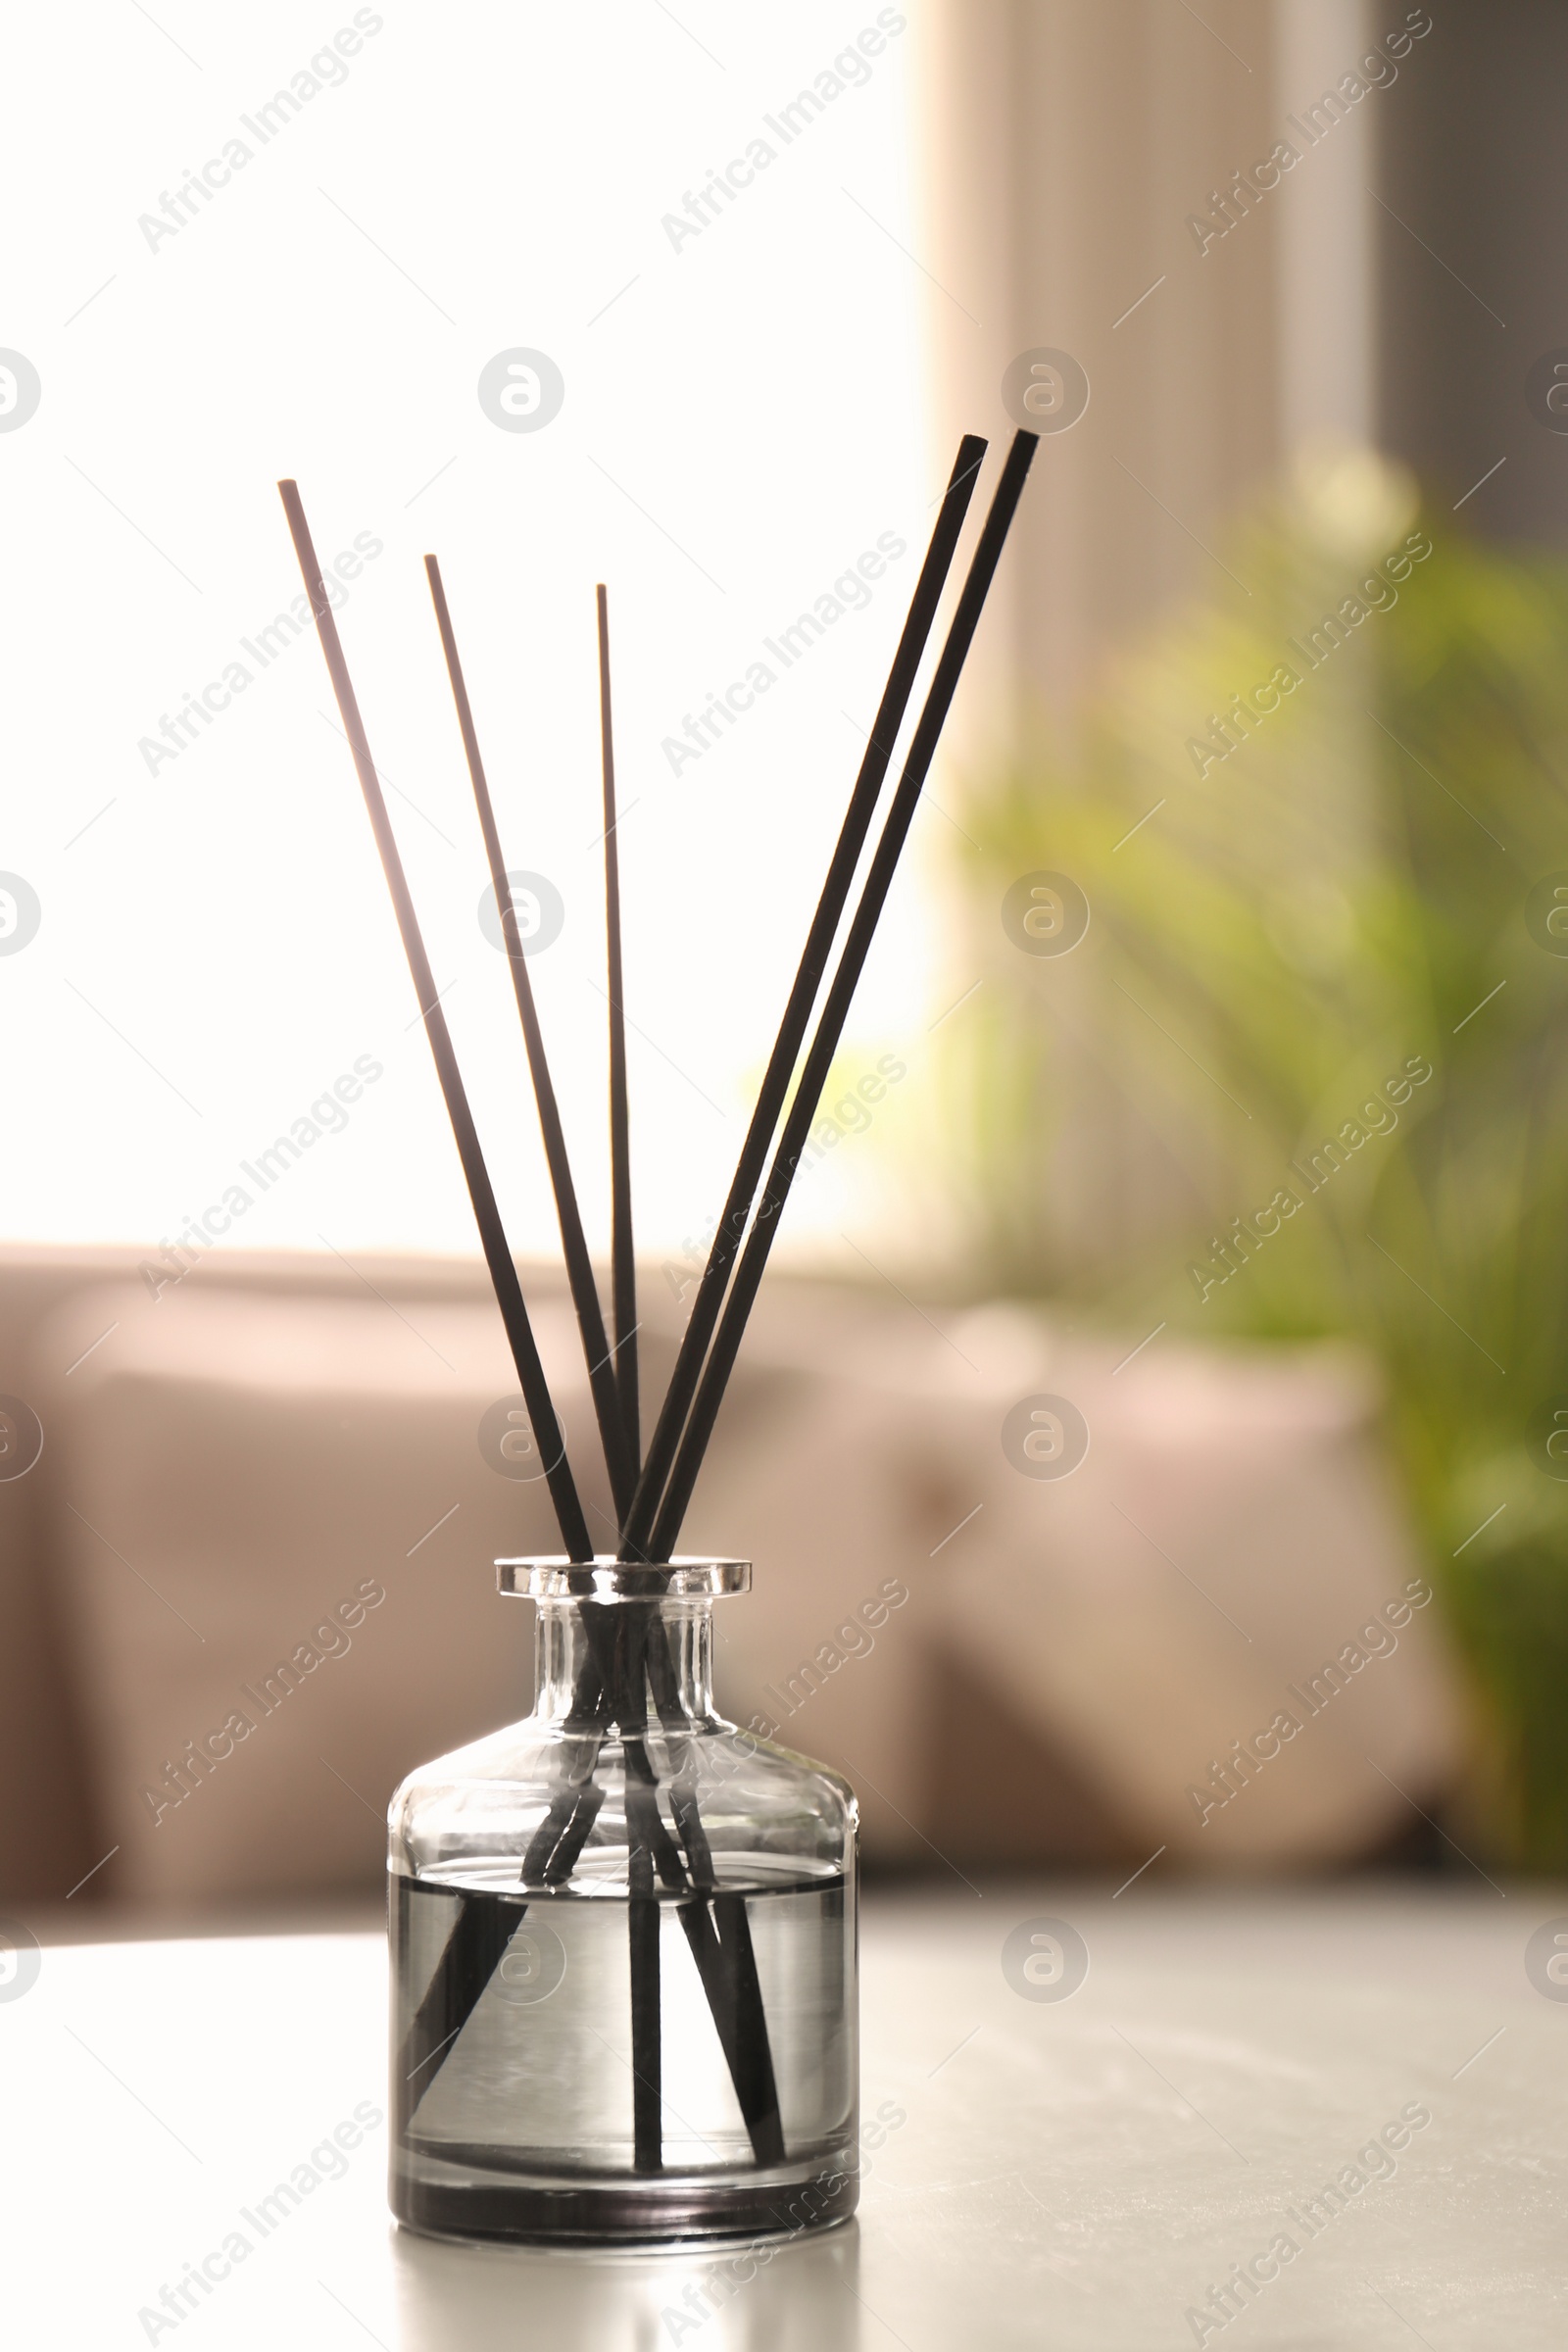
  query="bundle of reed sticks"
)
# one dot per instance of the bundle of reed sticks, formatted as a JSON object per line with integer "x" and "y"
{"x": 628, "y": 1659}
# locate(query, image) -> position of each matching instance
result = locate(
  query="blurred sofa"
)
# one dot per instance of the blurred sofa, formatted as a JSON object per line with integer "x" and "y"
{"x": 277, "y": 1463}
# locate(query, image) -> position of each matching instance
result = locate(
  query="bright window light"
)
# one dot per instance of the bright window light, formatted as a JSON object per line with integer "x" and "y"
{"x": 242, "y": 276}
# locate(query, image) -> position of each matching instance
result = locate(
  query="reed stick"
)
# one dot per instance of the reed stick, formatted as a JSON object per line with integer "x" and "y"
{"x": 619, "y": 1460}
{"x": 644, "y": 1925}
{"x": 623, "y": 1257}
{"x": 475, "y": 1949}
{"x": 638, "y": 1522}
{"x": 629, "y": 1656}
{"x": 547, "y": 1429}
{"x": 727, "y": 1965}
{"x": 873, "y": 896}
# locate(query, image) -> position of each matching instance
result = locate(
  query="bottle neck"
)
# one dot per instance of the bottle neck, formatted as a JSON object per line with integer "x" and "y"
{"x": 624, "y": 1660}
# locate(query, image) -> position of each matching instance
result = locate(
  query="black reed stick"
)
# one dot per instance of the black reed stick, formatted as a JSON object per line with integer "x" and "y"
{"x": 709, "y": 1298}
{"x": 503, "y": 1273}
{"x": 620, "y": 1459}
{"x": 476, "y": 1947}
{"x": 797, "y": 1126}
{"x": 643, "y": 1921}
{"x": 622, "y": 1261}
{"x": 728, "y": 1968}
{"x": 625, "y": 1656}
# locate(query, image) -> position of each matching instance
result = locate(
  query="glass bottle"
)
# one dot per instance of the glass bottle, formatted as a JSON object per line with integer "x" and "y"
{"x": 624, "y": 1945}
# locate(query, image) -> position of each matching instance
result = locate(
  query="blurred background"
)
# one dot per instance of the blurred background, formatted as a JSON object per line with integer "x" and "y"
{"x": 1165, "y": 1336}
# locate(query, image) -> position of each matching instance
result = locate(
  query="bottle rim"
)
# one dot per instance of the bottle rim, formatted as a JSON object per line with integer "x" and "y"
{"x": 553, "y": 1577}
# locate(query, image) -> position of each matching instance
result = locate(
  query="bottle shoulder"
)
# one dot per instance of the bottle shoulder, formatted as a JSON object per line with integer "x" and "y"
{"x": 539, "y": 1748}
{"x": 495, "y": 1795}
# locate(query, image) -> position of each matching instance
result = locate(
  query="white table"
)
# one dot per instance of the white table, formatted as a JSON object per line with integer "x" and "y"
{"x": 1071, "y": 2174}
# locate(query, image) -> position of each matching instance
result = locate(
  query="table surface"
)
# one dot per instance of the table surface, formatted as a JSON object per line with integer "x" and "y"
{"x": 1074, "y": 2174}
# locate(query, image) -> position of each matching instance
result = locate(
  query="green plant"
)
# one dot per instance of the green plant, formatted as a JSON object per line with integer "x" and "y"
{"x": 1282, "y": 934}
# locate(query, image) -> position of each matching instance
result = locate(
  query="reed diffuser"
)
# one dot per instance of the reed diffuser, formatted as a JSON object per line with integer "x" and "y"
{"x": 624, "y": 1933}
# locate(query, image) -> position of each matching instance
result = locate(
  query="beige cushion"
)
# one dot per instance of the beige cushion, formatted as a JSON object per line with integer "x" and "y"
{"x": 1231, "y": 1530}
{"x": 230, "y": 1466}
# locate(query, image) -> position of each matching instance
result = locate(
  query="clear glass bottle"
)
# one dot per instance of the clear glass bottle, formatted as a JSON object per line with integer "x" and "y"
{"x": 624, "y": 1945}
